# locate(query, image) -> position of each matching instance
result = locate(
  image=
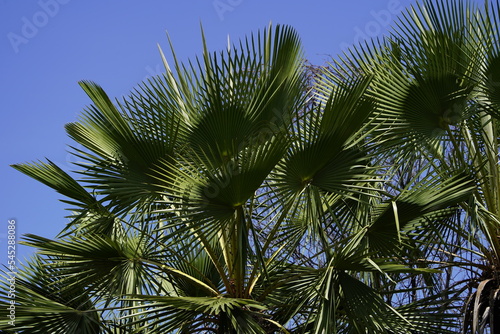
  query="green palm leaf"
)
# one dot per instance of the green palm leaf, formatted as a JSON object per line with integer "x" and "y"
{"x": 43, "y": 305}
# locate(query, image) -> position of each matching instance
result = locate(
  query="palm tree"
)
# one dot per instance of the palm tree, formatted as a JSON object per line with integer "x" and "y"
{"x": 436, "y": 86}
{"x": 228, "y": 196}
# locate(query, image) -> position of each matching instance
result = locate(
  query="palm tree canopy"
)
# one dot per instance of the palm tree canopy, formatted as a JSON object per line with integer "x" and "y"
{"x": 235, "y": 194}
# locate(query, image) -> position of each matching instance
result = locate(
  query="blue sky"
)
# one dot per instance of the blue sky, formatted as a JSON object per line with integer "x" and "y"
{"x": 47, "y": 46}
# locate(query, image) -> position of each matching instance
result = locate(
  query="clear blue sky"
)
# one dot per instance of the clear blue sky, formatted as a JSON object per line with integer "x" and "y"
{"x": 47, "y": 46}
